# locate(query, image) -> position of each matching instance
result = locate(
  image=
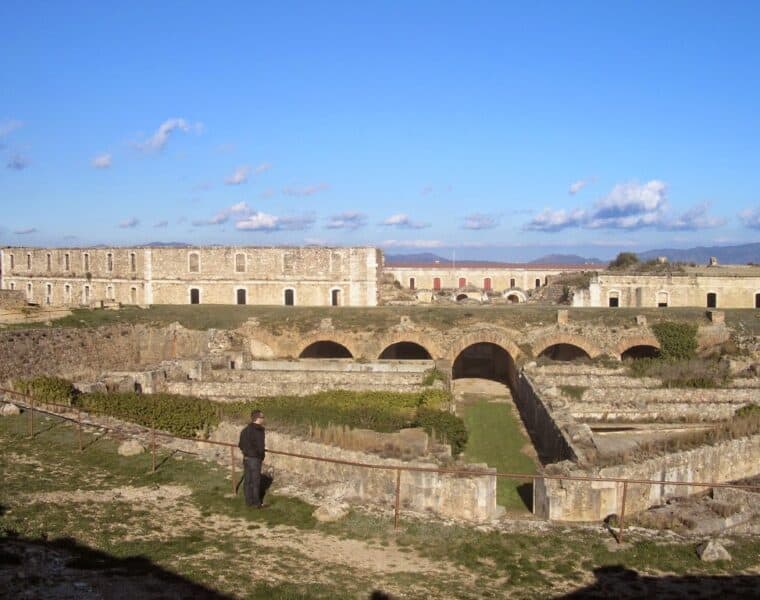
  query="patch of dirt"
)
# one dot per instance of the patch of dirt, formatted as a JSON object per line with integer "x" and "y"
{"x": 163, "y": 494}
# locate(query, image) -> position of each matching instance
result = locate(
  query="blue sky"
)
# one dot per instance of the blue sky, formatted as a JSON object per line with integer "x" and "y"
{"x": 502, "y": 130}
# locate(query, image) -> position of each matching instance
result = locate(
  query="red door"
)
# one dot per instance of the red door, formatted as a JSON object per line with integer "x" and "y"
{"x": 437, "y": 283}
{"x": 462, "y": 282}
{"x": 487, "y": 284}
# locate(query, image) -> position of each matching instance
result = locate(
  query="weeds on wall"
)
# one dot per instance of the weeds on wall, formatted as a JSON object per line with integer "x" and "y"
{"x": 678, "y": 341}
{"x": 53, "y": 390}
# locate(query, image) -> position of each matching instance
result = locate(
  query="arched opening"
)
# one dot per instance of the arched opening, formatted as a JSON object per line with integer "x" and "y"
{"x": 195, "y": 296}
{"x": 538, "y": 283}
{"x": 564, "y": 352}
{"x": 484, "y": 360}
{"x": 334, "y": 297}
{"x": 289, "y": 297}
{"x": 712, "y": 300}
{"x": 326, "y": 349}
{"x": 487, "y": 284}
{"x": 461, "y": 297}
{"x": 513, "y": 298}
{"x": 640, "y": 351}
{"x": 241, "y": 296}
{"x": 405, "y": 351}
{"x": 412, "y": 283}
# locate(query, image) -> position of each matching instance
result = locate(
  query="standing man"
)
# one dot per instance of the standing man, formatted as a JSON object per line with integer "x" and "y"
{"x": 253, "y": 448}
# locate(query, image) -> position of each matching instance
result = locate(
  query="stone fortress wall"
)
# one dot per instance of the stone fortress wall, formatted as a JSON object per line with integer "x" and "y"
{"x": 194, "y": 275}
{"x": 711, "y": 287}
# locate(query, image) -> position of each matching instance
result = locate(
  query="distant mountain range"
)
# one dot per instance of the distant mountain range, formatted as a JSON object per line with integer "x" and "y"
{"x": 729, "y": 255}
{"x": 428, "y": 258}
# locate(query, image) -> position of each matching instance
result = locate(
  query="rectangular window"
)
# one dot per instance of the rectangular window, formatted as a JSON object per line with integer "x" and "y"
{"x": 86, "y": 294}
{"x": 241, "y": 297}
{"x": 66, "y": 262}
{"x": 86, "y": 262}
{"x": 49, "y": 261}
{"x": 412, "y": 282}
{"x": 613, "y": 300}
{"x": 436, "y": 283}
{"x": 29, "y": 295}
{"x": 712, "y": 300}
{"x": 512, "y": 283}
{"x": 48, "y": 293}
{"x": 240, "y": 263}
{"x": 13, "y": 261}
{"x": 195, "y": 296}
{"x": 462, "y": 282}
{"x": 538, "y": 283}
{"x": 335, "y": 298}
{"x": 109, "y": 262}
{"x": 487, "y": 284}
{"x": 133, "y": 295}
{"x": 290, "y": 297}
{"x": 132, "y": 262}
{"x": 194, "y": 262}
{"x": 29, "y": 262}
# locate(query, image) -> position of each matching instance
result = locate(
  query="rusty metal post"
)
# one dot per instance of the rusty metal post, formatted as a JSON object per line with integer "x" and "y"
{"x": 398, "y": 498}
{"x": 153, "y": 437}
{"x": 31, "y": 419}
{"x": 622, "y": 513}
{"x": 79, "y": 428}
{"x": 232, "y": 469}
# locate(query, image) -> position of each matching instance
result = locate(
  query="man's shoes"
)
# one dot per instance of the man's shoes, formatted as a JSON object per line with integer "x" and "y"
{"x": 262, "y": 505}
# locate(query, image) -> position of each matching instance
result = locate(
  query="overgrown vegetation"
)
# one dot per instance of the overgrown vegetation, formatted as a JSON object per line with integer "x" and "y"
{"x": 190, "y": 416}
{"x": 623, "y": 260}
{"x": 678, "y": 340}
{"x": 432, "y": 376}
{"x": 573, "y": 391}
{"x": 53, "y": 390}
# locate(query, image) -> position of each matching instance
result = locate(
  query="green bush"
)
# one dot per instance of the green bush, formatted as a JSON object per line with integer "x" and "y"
{"x": 179, "y": 415}
{"x": 443, "y": 425}
{"x": 624, "y": 260}
{"x": 52, "y": 390}
{"x": 677, "y": 340}
{"x": 432, "y": 376}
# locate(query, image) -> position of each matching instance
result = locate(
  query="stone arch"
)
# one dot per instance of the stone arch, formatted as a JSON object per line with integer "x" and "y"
{"x": 325, "y": 349}
{"x": 568, "y": 339}
{"x": 495, "y": 347}
{"x": 637, "y": 340}
{"x": 397, "y": 337}
{"x": 496, "y": 337}
{"x": 515, "y": 296}
{"x": 405, "y": 350}
{"x": 330, "y": 336}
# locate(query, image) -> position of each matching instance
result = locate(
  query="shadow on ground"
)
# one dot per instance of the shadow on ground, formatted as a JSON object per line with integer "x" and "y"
{"x": 615, "y": 581}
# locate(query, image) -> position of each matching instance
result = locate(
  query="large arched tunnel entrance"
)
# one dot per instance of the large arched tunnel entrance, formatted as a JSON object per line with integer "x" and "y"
{"x": 485, "y": 360}
{"x": 564, "y": 352}
{"x": 325, "y": 349}
{"x": 405, "y": 351}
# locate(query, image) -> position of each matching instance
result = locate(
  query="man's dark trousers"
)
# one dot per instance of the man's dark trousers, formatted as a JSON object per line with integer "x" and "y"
{"x": 252, "y": 480}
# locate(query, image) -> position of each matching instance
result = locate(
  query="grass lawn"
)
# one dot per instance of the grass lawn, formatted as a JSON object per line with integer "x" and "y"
{"x": 145, "y": 531}
{"x": 302, "y": 318}
{"x": 495, "y": 438}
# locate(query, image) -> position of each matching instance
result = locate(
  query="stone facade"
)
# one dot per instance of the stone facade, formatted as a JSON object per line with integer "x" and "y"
{"x": 713, "y": 287}
{"x": 194, "y": 275}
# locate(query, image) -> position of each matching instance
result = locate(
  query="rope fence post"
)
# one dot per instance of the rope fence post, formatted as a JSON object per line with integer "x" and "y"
{"x": 232, "y": 470}
{"x": 398, "y": 498}
{"x": 31, "y": 418}
{"x": 622, "y": 514}
{"x": 153, "y": 438}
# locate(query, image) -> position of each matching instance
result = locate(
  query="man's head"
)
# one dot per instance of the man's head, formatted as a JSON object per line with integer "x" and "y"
{"x": 257, "y": 417}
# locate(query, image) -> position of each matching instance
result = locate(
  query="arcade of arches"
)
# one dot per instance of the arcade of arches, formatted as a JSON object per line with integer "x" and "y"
{"x": 326, "y": 349}
{"x": 484, "y": 360}
{"x": 405, "y": 351}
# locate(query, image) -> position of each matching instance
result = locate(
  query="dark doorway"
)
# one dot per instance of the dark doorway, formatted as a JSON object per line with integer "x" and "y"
{"x": 564, "y": 352}
{"x": 538, "y": 283}
{"x": 513, "y": 298}
{"x": 290, "y": 298}
{"x": 242, "y": 297}
{"x": 412, "y": 283}
{"x": 326, "y": 349}
{"x": 712, "y": 300}
{"x": 335, "y": 298}
{"x": 642, "y": 351}
{"x": 195, "y": 296}
{"x": 405, "y": 351}
{"x": 461, "y": 297}
{"x": 757, "y": 300}
{"x": 614, "y": 302}
{"x": 486, "y": 361}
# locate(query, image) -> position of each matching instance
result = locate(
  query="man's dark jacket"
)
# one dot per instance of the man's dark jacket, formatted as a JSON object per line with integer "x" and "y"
{"x": 252, "y": 441}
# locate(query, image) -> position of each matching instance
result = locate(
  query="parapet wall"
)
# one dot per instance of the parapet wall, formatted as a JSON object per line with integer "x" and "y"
{"x": 471, "y": 498}
{"x": 563, "y": 500}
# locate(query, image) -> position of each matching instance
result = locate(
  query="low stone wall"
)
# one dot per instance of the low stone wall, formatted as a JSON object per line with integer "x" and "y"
{"x": 565, "y": 500}
{"x": 544, "y": 428}
{"x": 470, "y": 498}
{"x": 12, "y": 299}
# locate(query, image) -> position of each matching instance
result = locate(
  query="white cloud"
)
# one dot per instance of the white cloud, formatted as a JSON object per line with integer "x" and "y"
{"x": 161, "y": 136}
{"x": 17, "y": 162}
{"x": 480, "y": 221}
{"x": 161, "y": 224}
{"x": 130, "y": 223}
{"x": 102, "y": 161}
{"x": 262, "y": 168}
{"x": 577, "y": 186}
{"x": 239, "y": 209}
{"x": 555, "y": 220}
{"x": 402, "y": 221}
{"x": 750, "y": 217}
{"x": 9, "y": 126}
{"x": 630, "y": 205}
{"x": 260, "y": 221}
{"x": 412, "y": 244}
{"x": 694, "y": 219}
{"x": 347, "y": 220}
{"x": 308, "y": 190}
{"x": 239, "y": 175}
{"x": 25, "y": 231}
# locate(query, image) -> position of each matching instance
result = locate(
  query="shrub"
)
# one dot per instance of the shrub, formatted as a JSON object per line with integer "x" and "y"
{"x": 573, "y": 391}
{"x": 624, "y": 260}
{"x": 432, "y": 376}
{"x": 677, "y": 340}
{"x": 53, "y": 390}
{"x": 179, "y": 415}
{"x": 444, "y": 425}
